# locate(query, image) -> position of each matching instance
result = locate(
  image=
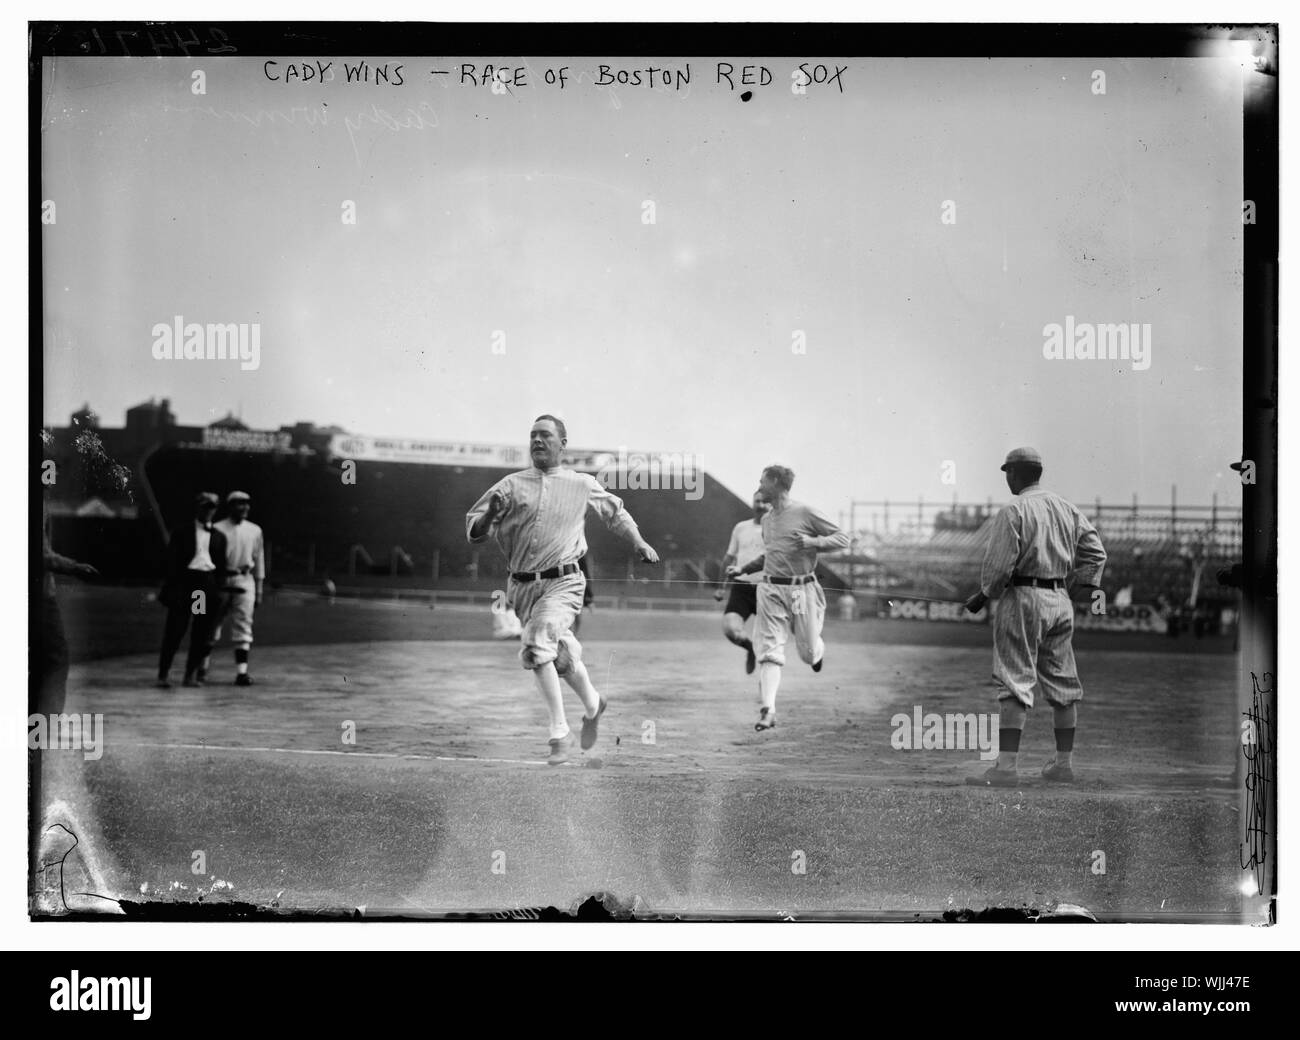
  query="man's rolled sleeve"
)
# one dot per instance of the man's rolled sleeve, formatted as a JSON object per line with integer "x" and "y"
{"x": 1002, "y": 552}
{"x": 609, "y": 508}
{"x": 1089, "y": 554}
{"x": 479, "y": 510}
{"x": 828, "y": 535}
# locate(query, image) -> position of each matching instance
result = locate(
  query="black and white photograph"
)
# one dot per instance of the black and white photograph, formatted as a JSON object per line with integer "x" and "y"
{"x": 701, "y": 473}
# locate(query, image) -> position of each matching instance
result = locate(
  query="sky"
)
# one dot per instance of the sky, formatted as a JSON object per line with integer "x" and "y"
{"x": 798, "y": 298}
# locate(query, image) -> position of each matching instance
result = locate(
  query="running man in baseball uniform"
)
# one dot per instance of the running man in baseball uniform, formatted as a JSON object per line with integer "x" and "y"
{"x": 789, "y": 595}
{"x": 246, "y": 570}
{"x": 1038, "y": 543}
{"x": 537, "y": 517}
{"x": 746, "y": 545}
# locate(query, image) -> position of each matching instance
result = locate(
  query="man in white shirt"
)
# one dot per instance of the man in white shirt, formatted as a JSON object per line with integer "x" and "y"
{"x": 537, "y": 517}
{"x": 1037, "y": 545}
{"x": 246, "y": 570}
{"x": 745, "y": 547}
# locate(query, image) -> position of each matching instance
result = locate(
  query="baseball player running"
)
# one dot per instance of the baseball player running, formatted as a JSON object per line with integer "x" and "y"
{"x": 789, "y": 595}
{"x": 537, "y": 516}
{"x": 746, "y": 545}
{"x": 1038, "y": 542}
{"x": 246, "y": 570}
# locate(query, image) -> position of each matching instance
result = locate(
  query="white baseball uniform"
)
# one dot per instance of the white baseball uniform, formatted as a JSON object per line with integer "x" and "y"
{"x": 543, "y": 527}
{"x": 244, "y": 556}
{"x": 1038, "y": 535}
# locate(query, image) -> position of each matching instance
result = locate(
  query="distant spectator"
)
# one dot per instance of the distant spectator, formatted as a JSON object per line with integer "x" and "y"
{"x": 196, "y": 567}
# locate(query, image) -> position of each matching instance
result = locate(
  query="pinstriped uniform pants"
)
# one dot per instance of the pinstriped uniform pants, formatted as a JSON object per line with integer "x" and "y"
{"x": 1032, "y": 629}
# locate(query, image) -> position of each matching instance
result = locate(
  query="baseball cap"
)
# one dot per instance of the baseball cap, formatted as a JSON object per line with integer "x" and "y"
{"x": 206, "y": 498}
{"x": 1027, "y": 455}
{"x": 237, "y": 496}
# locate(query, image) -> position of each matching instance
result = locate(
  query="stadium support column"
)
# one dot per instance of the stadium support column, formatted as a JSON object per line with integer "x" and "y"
{"x": 853, "y": 545}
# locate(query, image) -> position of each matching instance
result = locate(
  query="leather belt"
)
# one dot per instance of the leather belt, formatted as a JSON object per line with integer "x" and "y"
{"x": 1042, "y": 583}
{"x": 553, "y": 572}
{"x": 798, "y": 579}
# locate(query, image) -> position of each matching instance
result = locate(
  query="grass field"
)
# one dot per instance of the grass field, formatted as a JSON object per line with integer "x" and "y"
{"x": 443, "y": 803}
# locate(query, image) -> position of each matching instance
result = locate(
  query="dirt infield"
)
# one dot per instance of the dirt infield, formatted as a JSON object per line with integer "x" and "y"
{"x": 443, "y": 804}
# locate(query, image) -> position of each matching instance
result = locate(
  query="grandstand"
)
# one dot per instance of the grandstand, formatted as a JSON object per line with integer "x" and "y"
{"x": 1161, "y": 555}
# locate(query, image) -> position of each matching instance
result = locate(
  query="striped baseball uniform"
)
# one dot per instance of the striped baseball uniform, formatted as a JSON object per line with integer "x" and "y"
{"x": 244, "y": 556}
{"x": 542, "y": 526}
{"x": 802, "y": 608}
{"x": 1038, "y": 535}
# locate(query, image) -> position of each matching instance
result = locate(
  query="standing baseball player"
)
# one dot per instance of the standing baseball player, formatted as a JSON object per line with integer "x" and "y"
{"x": 1038, "y": 543}
{"x": 196, "y": 565}
{"x": 537, "y": 517}
{"x": 789, "y": 595}
{"x": 746, "y": 545}
{"x": 246, "y": 570}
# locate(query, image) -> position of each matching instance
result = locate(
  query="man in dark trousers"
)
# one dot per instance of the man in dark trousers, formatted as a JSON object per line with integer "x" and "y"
{"x": 196, "y": 572}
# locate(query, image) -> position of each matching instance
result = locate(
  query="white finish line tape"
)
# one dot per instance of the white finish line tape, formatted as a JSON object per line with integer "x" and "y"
{"x": 344, "y": 754}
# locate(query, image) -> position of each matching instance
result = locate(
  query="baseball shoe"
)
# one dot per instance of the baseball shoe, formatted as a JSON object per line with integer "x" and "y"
{"x": 163, "y": 683}
{"x": 560, "y": 750}
{"x": 191, "y": 682}
{"x": 817, "y": 664}
{"x": 1057, "y": 774}
{"x": 995, "y": 777}
{"x": 766, "y": 719}
{"x": 751, "y": 662}
{"x": 243, "y": 679}
{"x": 589, "y": 726}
